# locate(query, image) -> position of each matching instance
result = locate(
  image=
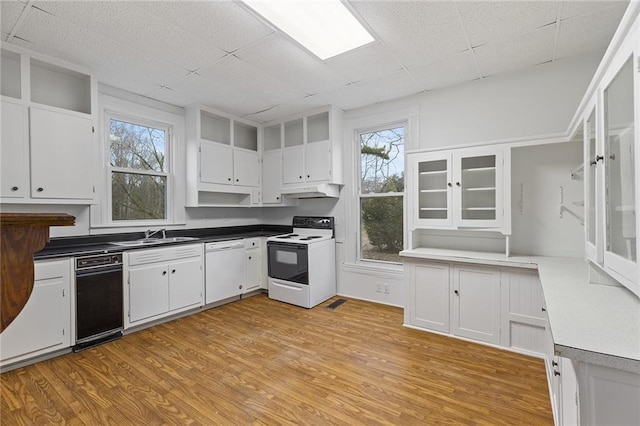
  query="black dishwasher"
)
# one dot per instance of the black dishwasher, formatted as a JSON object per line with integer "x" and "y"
{"x": 99, "y": 304}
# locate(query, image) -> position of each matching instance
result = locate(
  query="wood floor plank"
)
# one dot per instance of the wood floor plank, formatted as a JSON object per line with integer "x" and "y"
{"x": 261, "y": 362}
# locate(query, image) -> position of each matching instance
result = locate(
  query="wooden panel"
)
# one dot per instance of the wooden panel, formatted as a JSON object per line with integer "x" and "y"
{"x": 258, "y": 361}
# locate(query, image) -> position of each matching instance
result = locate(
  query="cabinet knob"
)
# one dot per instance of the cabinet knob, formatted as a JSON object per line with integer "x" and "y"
{"x": 599, "y": 158}
{"x": 543, "y": 309}
{"x": 456, "y": 292}
{"x": 277, "y": 198}
{"x": 237, "y": 180}
{"x": 300, "y": 177}
{"x": 554, "y": 363}
{"x": 449, "y": 185}
{"x": 308, "y": 176}
{"x": 229, "y": 179}
{"x": 249, "y": 257}
{"x": 457, "y": 183}
{"x": 40, "y": 189}
{"x": 556, "y": 373}
{"x": 240, "y": 286}
{"x": 14, "y": 188}
{"x": 173, "y": 271}
{"x": 164, "y": 272}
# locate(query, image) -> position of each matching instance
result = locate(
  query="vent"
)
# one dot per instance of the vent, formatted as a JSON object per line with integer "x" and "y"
{"x": 337, "y": 303}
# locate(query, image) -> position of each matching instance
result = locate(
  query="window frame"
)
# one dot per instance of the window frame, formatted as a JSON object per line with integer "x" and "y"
{"x": 359, "y": 195}
{"x": 110, "y": 170}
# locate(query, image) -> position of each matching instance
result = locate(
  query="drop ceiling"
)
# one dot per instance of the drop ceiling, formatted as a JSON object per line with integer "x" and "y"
{"x": 221, "y": 54}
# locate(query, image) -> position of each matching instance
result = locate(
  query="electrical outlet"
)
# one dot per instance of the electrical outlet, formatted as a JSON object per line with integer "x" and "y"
{"x": 386, "y": 289}
{"x": 378, "y": 287}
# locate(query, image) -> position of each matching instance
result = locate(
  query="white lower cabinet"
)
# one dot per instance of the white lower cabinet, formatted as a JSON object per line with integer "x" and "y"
{"x": 44, "y": 324}
{"x": 475, "y": 304}
{"x": 163, "y": 282}
{"x": 492, "y": 304}
{"x": 253, "y": 264}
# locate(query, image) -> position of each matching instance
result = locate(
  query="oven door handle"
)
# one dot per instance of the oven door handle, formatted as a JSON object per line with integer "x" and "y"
{"x": 287, "y": 286}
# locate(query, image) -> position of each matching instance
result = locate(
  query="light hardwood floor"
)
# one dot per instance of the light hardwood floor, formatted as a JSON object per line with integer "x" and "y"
{"x": 258, "y": 361}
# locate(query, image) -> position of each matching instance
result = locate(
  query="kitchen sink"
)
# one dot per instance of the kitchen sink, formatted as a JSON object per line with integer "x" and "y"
{"x": 152, "y": 241}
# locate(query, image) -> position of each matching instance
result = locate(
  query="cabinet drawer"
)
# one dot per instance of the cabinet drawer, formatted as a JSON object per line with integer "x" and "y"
{"x": 141, "y": 257}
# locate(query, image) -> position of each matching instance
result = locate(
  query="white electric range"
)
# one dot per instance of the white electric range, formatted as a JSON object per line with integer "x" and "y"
{"x": 302, "y": 265}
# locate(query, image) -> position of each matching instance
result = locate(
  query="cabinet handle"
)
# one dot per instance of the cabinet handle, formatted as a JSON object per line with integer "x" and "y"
{"x": 599, "y": 158}
{"x": 554, "y": 363}
{"x": 173, "y": 271}
{"x": 40, "y": 189}
{"x": 543, "y": 309}
{"x": 164, "y": 273}
{"x": 449, "y": 185}
{"x": 456, "y": 292}
{"x": 556, "y": 373}
{"x": 457, "y": 183}
{"x": 14, "y": 188}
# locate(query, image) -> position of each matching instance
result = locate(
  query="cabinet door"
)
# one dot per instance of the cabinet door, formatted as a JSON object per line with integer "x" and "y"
{"x": 293, "y": 164}
{"x": 216, "y": 163}
{"x": 61, "y": 155}
{"x": 621, "y": 245}
{"x": 476, "y": 303}
{"x": 148, "y": 291}
{"x": 43, "y": 324}
{"x": 478, "y": 188}
{"x": 246, "y": 168}
{"x": 430, "y": 296}
{"x": 13, "y": 182}
{"x": 272, "y": 177}
{"x": 185, "y": 283}
{"x": 318, "y": 161}
{"x": 225, "y": 274}
{"x": 593, "y": 237}
{"x": 432, "y": 179}
{"x": 254, "y": 269}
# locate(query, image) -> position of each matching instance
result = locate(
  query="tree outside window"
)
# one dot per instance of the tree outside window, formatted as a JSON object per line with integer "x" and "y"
{"x": 381, "y": 194}
{"x": 139, "y": 171}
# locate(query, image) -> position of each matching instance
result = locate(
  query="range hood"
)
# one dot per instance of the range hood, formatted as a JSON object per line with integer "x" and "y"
{"x": 323, "y": 190}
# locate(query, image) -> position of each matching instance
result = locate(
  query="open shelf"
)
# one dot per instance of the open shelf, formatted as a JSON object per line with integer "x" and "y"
{"x": 479, "y": 169}
{"x": 432, "y": 191}
{"x": 490, "y": 188}
{"x": 435, "y": 172}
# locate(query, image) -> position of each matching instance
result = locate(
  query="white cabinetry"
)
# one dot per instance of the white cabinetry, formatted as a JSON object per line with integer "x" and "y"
{"x": 253, "y": 265}
{"x": 48, "y": 140}
{"x": 44, "y": 324}
{"x": 466, "y": 188}
{"x": 223, "y": 166}
{"x": 163, "y": 282}
{"x": 312, "y": 148}
{"x": 475, "y": 304}
{"x": 428, "y": 296}
{"x": 611, "y": 132}
{"x": 272, "y": 165}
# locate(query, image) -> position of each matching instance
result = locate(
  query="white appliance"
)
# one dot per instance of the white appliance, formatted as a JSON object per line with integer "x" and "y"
{"x": 302, "y": 265}
{"x": 225, "y": 269}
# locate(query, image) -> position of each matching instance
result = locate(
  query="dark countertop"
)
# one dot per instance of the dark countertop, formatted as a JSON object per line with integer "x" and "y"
{"x": 101, "y": 244}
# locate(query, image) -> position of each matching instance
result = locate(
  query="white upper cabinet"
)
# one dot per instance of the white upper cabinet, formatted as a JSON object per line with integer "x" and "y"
{"x": 272, "y": 165}
{"x": 223, "y": 165}
{"x": 611, "y": 126}
{"x": 48, "y": 121}
{"x": 312, "y": 148}
{"x": 460, "y": 189}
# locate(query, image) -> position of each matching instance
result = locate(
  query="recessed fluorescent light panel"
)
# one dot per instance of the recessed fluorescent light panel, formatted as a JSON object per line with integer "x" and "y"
{"x": 325, "y": 27}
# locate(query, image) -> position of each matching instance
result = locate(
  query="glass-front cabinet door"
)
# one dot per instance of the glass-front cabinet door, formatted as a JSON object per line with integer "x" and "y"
{"x": 592, "y": 160}
{"x": 435, "y": 188}
{"x": 478, "y": 188}
{"x": 620, "y": 244}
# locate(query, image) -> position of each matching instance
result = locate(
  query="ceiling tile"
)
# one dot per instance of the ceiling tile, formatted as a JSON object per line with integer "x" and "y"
{"x": 414, "y": 30}
{"x": 588, "y": 32}
{"x": 446, "y": 71}
{"x": 224, "y": 24}
{"x": 9, "y": 13}
{"x": 282, "y": 58}
{"x": 195, "y": 88}
{"x": 115, "y": 64}
{"x": 347, "y": 97}
{"x": 571, "y": 9}
{"x": 391, "y": 86}
{"x": 523, "y": 51}
{"x": 234, "y": 72}
{"x": 133, "y": 26}
{"x": 372, "y": 60}
{"x": 490, "y": 21}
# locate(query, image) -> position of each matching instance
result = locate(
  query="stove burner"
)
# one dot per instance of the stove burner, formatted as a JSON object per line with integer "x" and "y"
{"x": 287, "y": 236}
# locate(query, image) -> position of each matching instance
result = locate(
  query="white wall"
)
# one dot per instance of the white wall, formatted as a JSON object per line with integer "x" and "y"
{"x": 537, "y": 173}
{"x": 519, "y": 105}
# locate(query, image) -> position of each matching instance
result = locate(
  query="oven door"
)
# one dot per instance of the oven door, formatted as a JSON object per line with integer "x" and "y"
{"x": 288, "y": 262}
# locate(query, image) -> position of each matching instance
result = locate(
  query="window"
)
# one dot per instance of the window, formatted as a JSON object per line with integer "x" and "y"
{"x": 138, "y": 169}
{"x": 381, "y": 193}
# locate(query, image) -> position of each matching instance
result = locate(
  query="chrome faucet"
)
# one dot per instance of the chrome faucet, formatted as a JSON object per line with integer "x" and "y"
{"x": 149, "y": 233}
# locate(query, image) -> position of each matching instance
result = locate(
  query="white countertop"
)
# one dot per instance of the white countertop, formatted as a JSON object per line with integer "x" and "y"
{"x": 595, "y": 323}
